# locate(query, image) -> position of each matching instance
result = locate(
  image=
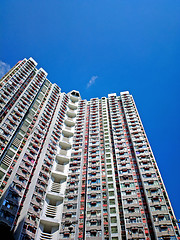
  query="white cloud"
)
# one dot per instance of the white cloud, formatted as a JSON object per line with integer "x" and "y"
{"x": 92, "y": 81}
{"x": 4, "y": 68}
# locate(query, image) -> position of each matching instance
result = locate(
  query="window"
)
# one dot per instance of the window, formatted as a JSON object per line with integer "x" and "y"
{"x": 114, "y": 229}
{"x": 7, "y": 216}
{"x": 8, "y": 204}
{"x": 66, "y": 235}
{"x": 113, "y": 220}
{"x": 111, "y": 193}
{"x": 93, "y": 234}
{"x": 112, "y": 201}
{"x": 112, "y": 210}
{"x": 109, "y": 165}
{"x": 110, "y": 185}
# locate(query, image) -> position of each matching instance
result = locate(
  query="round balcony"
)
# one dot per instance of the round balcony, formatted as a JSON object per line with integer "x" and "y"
{"x": 71, "y": 113}
{"x": 69, "y": 122}
{"x": 65, "y": 144}
{"x": 72, "y": 106}
{"x": 74, "y": 98}
{"x": 67, "y": 132}
{"x": 61, "y": 158}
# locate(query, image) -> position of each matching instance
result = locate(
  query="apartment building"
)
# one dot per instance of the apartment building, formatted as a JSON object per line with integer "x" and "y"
{"x": 76, "y": 169}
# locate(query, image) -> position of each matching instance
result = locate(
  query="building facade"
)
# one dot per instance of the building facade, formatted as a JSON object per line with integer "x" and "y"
{"x": 76, "y": 169}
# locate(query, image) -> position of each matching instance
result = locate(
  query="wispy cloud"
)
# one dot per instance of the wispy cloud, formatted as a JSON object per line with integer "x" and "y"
{"x": 4, "y": 68}
{"x": 92, "y": 81}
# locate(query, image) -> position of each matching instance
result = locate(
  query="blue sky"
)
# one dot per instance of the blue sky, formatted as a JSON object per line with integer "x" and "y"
{"x": 104, "y": 46}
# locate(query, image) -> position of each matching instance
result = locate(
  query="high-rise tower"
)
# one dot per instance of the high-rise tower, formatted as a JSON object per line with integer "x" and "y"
{"x": 76, "y": 169}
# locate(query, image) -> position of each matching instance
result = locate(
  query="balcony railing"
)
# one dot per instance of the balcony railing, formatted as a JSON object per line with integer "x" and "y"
{"x": 46, "y": 236}
{"x": 56, "y": 187}
{"x": 51, "y": 211}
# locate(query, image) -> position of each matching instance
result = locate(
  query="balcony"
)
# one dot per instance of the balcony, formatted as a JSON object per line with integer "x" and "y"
{"x": 56, "y": 187}
{"x": 57, "y": 184}
{"x": 29, "y": 233}
{"x": 49, "y": 232}
{"x": 62, "y": 157}
{"x": 51, "y": 211}
{"x": 58, "y": 174}
{"x": 72, "y": 106}
{"x": 74, "y": 98}
{"x": 7, "y": 160}
{"x": 71, "y": 113}
{"x": 46, "y": 236}
{"x": 67, "y": 132}
{"x": 69, "y": 122}
{"x": 65, "y": 144}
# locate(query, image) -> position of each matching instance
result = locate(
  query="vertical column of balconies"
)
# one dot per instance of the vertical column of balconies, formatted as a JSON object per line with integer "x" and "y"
{"x": 15, "y": 116}
{"x": 52, "y": 212}
{"x": 94, "y": 214}
{"x": 45, "y": 142}
{"x": 103, "y": 169}
{"x": 11, "y": 72}
{"x": 143, "y": 220}
{"x": 21, "y": 127}
{"x": 84, "y": 172}
{"x": 66, "y": 140}
{"x": 68, "y": 128}
{"x": 113, "y": 218}
{"x": 113, "y": 114}
{"x": 6, "y": 81}
{"x": 12, "y": 89}
{"x": 156, "y": 203}
{"x": 23, "y": 173}
{"x": 133, "y": 218}
{"x": 74, "y": 194}
{"x": 53, "y": 197}
{"x": 8, "y": 165}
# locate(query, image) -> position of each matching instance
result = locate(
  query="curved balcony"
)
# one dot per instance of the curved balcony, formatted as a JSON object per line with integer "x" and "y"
{"x": 65, "y": 144}
{"x": 55, "y": 196}
{"x": 69, "y": 122}
{"x": 58, "y": 175}
{"x": 74, "y": 98}
{"x": 50, "y": 229}
{"x": 71, "y": 113}
{"x": 62, "y": 158}
{"x": 72, "y": 106}
{"x": 67, "y": 132}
